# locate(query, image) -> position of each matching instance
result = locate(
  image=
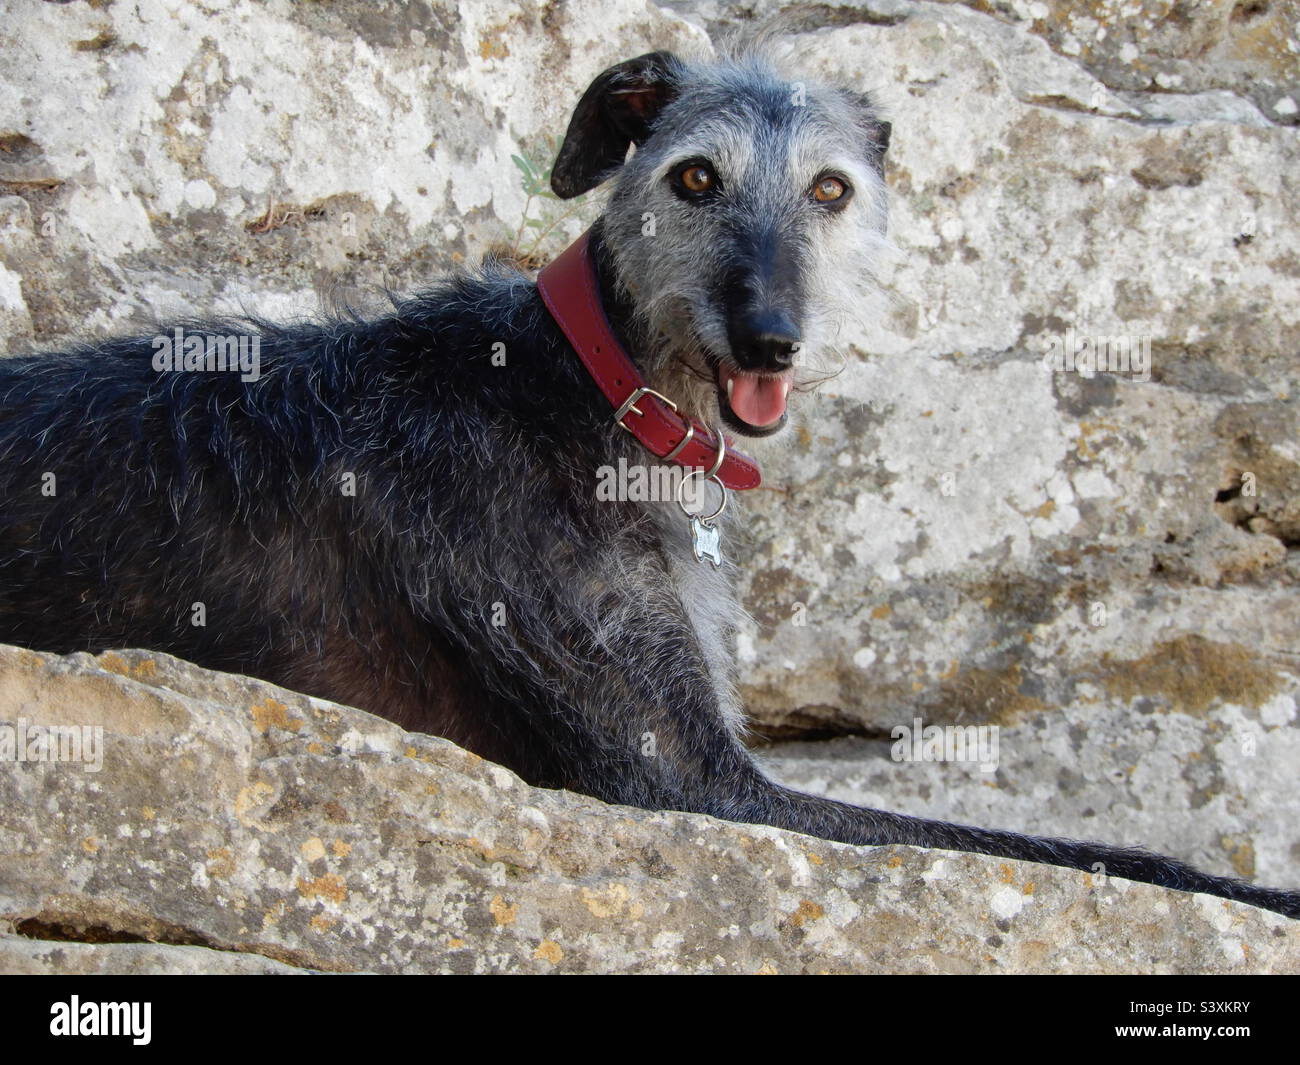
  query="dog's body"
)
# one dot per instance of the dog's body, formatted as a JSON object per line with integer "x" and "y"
{"x": 394, "y": 517}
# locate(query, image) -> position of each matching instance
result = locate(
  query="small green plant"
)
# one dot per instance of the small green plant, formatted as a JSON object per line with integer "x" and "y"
{"x": 536, "y": 181}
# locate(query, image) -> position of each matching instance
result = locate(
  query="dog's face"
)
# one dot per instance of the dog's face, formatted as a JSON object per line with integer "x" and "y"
{"x": 744, "y": 227}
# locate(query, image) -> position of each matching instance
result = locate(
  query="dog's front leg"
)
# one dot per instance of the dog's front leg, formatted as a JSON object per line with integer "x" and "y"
{"x": 596, "y": 654}
{"x": 648, "y": 728}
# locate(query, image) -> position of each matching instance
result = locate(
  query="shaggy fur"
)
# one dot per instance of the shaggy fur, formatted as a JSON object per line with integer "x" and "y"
{"x": 472, "y": 586}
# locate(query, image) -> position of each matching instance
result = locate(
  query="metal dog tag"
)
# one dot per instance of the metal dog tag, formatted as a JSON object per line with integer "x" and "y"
{"x": 705, "y": 542}
{"x": 706, "y": 536}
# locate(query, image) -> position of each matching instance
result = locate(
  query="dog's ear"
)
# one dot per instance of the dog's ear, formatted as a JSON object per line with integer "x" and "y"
{"x": 867, "y": 116}
{"x": 880, "y": 134}
{"x": 617, "y": 110}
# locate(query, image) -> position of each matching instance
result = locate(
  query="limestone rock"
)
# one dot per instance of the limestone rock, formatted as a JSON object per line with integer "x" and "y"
{"x": 232, "y": 826}
{"x": 24, "y": 956}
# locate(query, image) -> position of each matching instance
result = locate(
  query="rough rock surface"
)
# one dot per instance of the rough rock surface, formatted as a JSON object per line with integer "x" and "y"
{"x": 25, "y": 956}
{"x": 235, "y": 826}
{"x": 1104, "y": 566}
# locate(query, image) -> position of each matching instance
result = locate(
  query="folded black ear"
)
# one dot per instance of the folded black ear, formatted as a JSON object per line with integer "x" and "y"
{"x": 617, "y": 110}
{"x": 881, "y": 136}
{"x": 868, "y": 119}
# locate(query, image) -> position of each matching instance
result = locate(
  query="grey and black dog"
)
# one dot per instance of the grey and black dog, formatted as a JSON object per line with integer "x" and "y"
{"x": 471, "y": 585}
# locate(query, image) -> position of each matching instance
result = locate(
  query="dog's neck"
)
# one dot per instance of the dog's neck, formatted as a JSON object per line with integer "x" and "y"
{"x": 570, "y": 287}
{"x": 631, "y": 333}
{"x": 664, "y": 369}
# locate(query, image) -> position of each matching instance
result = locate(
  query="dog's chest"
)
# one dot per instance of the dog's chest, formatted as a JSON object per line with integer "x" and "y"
{"x": 708, "y": 597}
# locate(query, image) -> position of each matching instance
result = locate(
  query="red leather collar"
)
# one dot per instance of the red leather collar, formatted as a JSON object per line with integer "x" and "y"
{"x": 569, "y": 289}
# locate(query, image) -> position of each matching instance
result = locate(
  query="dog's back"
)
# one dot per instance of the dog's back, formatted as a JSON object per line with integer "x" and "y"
{"x": 324, "y": 526}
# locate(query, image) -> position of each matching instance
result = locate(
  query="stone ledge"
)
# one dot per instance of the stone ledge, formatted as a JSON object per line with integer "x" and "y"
{"x": 233, "y": 818}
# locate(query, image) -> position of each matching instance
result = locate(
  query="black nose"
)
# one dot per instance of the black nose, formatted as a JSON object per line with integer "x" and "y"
{"x": 764, "y": 341}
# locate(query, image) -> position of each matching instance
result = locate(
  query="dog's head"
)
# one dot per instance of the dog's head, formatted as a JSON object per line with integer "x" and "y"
{"x": 743, "y": 229}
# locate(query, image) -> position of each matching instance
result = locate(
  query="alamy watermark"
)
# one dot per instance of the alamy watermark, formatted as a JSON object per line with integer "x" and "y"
{"x": 25, "y": 742}
{"x": 946, "y": 743}
{"x": 76, "y": 1018}
{"x": 208, "y": 352}
{"x": 1088, "y": 354}
{"x": 640, "y": 483}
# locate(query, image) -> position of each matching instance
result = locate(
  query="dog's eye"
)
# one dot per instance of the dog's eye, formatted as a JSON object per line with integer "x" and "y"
{"x": 829, "y": 189}
{"x": 696, "y": 177}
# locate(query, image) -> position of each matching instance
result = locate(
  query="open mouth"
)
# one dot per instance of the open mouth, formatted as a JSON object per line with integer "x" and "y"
{"x": 753, "y": 403}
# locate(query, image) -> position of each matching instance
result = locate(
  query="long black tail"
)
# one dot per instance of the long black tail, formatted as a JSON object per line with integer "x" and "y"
{"x": 813, "y": 815}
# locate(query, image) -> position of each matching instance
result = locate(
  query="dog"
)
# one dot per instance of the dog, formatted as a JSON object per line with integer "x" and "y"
{"x": 398, "y": 512}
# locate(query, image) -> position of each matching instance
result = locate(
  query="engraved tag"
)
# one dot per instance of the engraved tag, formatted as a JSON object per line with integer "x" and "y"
{"x": 705, "y": 542}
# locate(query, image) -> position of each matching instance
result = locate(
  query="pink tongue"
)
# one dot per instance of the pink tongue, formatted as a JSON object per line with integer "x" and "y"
{"x": 757, "y": 400}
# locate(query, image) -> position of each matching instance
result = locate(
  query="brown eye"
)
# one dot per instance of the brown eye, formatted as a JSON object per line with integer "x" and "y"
{"x": 696, "y": 178}
{"x": 828, "y": 190}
